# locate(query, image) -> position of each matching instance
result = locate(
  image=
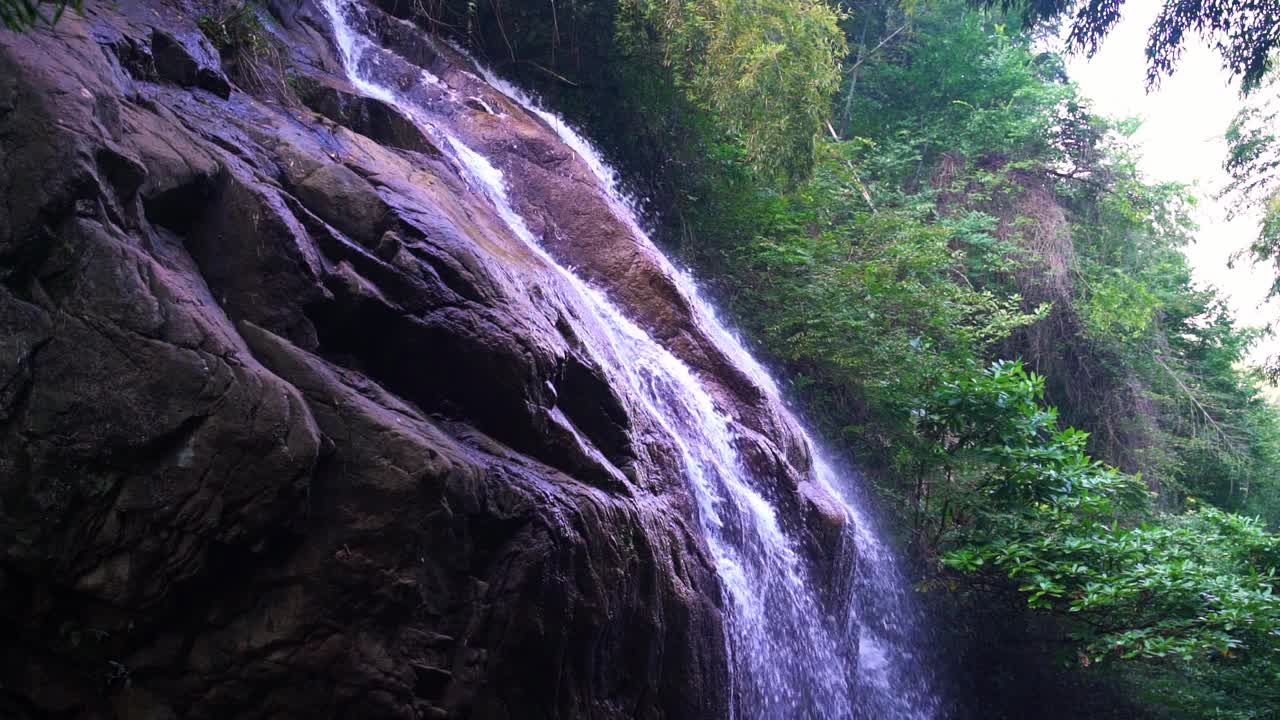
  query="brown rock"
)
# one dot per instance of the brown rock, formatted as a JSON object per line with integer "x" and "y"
{"x": 368, "y": 116}
{"x": 292, "y": 425}
{"x": 346, "y": 201}
{"x": 188, "y": 60}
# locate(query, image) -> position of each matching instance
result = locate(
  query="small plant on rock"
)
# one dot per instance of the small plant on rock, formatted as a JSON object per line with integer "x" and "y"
{"x": 251, "y": 56}
{"x": 25, "y": 14}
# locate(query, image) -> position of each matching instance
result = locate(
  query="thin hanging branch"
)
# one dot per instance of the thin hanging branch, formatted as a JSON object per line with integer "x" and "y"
{"x": 1209, "y": 419}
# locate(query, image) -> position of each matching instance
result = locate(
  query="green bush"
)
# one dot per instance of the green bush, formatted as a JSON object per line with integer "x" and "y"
{"x": 764, "y": 69}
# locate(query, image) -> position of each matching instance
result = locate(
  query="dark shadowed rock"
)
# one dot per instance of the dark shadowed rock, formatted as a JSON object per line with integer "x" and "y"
{"x": 368, "y": 116}
{"x": 188, "y": 60}
{"x": 292, "y": 424}
{"x": 344, "y": 200}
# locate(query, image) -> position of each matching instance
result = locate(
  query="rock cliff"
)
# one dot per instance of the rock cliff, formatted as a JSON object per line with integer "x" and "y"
{"x": 292, "y": 425}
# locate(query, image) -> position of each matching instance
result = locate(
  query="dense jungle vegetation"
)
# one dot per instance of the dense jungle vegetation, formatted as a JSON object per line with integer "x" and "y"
{"x": 909, "y": 207}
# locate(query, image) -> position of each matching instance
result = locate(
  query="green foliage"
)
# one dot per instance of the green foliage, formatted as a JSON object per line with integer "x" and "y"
{"x": 1028, "y": 512}
{"x": 1182, "y": 588}
{"x": 765, "y": 69}
{"x": 1254, "y": 164}
{"x": 974, "y": 208}
{"x": 985, "y": 210}
{"x": 993, "y": 449}
{"x": 1232, "y": 688}
{"x": 1116, "y": 307}
{"x": 1254, "y": 153}
{"x": 26, "y": 14}
{"x": 1210, "y": 432}
{"x": 1241, "y": 32}
{"x": 837, "y": 261}
{"x": 975, "y": 89}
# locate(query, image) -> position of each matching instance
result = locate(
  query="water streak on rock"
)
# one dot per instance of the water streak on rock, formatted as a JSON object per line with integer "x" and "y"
{"x": 794, "y": 653}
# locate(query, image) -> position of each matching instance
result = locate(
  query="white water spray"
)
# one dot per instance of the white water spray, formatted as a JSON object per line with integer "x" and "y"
{"x": 791, "y": 658}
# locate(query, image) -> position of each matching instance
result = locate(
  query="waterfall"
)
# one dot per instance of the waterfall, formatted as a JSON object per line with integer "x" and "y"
{"x": 791, "y": 656}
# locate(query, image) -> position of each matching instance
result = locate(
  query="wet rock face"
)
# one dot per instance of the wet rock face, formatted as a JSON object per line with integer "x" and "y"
{"x": 291, "y": 425}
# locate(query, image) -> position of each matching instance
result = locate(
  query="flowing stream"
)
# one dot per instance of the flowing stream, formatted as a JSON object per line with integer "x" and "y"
{"x": 792, "y": 655}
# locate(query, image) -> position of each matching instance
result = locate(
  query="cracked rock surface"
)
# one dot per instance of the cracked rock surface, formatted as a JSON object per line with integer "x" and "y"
{"x": 292, "y": 426}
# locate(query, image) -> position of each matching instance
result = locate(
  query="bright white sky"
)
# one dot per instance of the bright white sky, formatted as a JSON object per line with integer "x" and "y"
{"x": 1182, "y": 139}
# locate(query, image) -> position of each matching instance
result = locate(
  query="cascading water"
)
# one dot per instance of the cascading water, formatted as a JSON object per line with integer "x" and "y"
{"x": 895, "y": 680}
{"x": 792, "y": 656}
